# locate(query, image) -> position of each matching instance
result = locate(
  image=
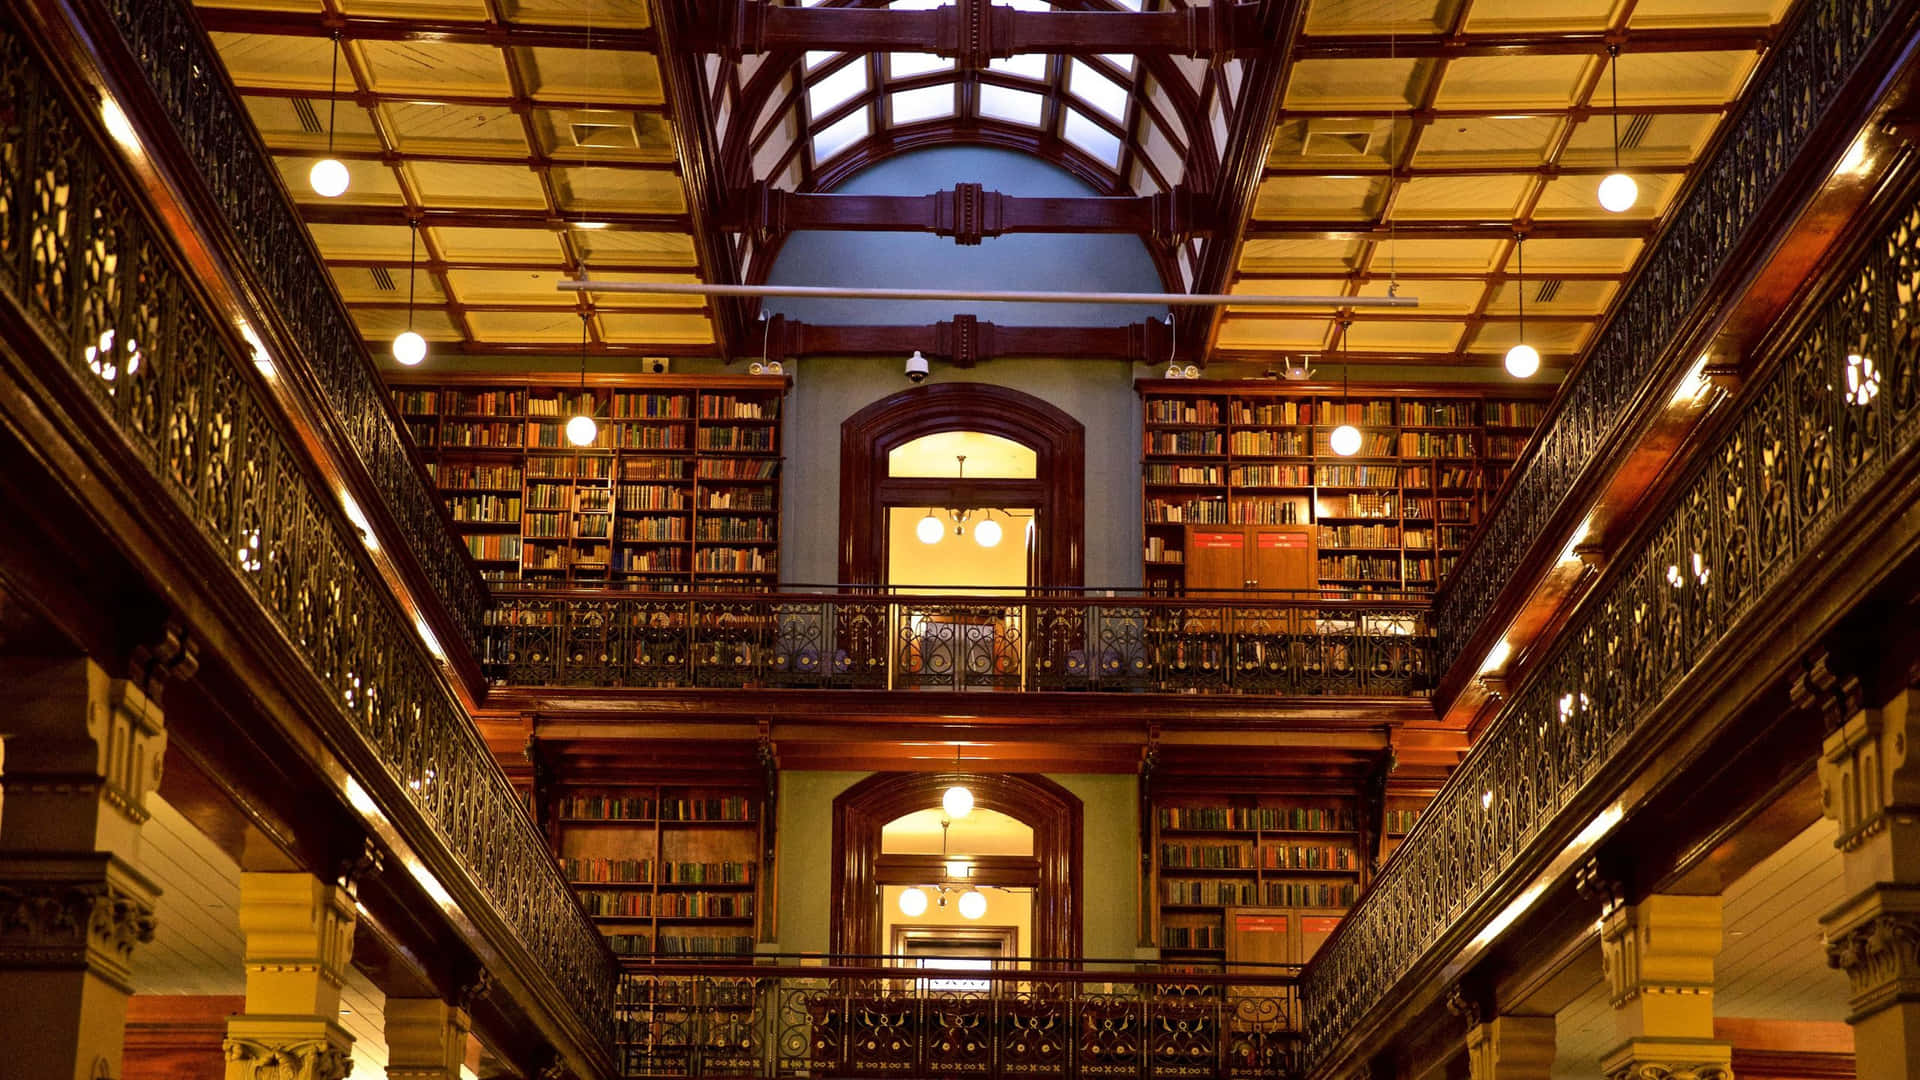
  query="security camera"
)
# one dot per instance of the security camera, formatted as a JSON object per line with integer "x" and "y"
{"x": 917, "y": 367}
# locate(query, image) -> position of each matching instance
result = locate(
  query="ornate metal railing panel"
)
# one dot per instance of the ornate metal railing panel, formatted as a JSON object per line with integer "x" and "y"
{"x": 1800, "y": 82}
{"x": 190, "y": 82}
{"x": 99, "y": 283}
{"x": 792, "y": 1022}
{"x": 1813, "y": 439}
{"x": 1134, "y": 645}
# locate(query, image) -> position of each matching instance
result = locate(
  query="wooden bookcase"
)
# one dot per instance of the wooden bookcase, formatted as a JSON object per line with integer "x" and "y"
{"x": 664, "y": 870}
{"x": 1392, "y": 517}
{"x": 680, "y": 491}
{"x": 1235, "y": 878}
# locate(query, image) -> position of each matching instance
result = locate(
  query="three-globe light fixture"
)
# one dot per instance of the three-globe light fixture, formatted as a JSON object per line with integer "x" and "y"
{"x": 987, "y": 533}
{"x": 955, "y": 803}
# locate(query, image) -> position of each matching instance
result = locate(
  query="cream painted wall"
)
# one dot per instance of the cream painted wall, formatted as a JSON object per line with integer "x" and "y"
{"x": 1110, "y": 856}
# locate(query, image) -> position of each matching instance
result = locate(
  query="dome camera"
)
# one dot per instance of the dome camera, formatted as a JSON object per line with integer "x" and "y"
{"x": 917, "y": 367}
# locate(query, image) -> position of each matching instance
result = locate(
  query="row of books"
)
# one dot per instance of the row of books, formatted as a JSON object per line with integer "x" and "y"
{"x": 1268, "y": 443}
{"x": 568, "y": 467}
{"x": 563, "y": 403}
{"x": 1360, "y": 567}
{"x": 1401, "y": 821}
{"x": 1206, "y": 856}
{"x": 1359, "y": 536}
{"x": 1193, "y": 937}
{"x": 654, "y": 406}
{"x": 1306, "y": 857}
{"x": 704, "y": 944}
{"x": 650, "y": 560}
{"x": 737, "y": 499}
{"x": 672, "y": 905}
{"x": 1184, "y": 442}
{"x": 548, "y": 496}
{"x": 1456, "y": 412}
{"x": 1251, "y": 818}
{"x": 1157, "y": 551}
{"x": 1181, "y": 474}
{"x": 1269, "y": 511}
{"x": 1271, "y": 475}
{"x": 729, "y": 407}
{"x": 749, "y": 440}
{"x": 493, "y": 547}
{"x": 489, "y": 509}
{"x": 1436, "y": 444}
{"x": 735, "y": 529}
{"x": 736, "y": 561}
{"x": 459, "y": 477}
{"x": 1182, "y": 411}
{"x": 649, "y": 437}
{"x": 1203, "y": 511}
{"x": 608, "y": 871}
{"x": 651, "y": 497}
{"x": 657, "y": 529}
{"x": 736, "y": 469}
{"x": 1183, "y": 891}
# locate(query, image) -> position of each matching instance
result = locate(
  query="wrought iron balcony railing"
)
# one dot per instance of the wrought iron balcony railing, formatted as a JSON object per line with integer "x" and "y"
{"x": 925, "y": 1017}
{"x": 872, "y": 640}
{"x": 1801, "y": 463}
{"x": 1805, "y": 76}
{"x": 116, "y": 333}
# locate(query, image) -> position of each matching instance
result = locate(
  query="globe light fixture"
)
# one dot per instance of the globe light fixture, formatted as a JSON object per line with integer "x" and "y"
{"x": 973, "y": 903}
{"x": 328, "y": 176}
{"x": 1618, "y": 191}
{"x": 1345, "y": 440}
{"x": 929, "y": 530}
{"x": 410, "y": 348}
{"x": 913, "y": 902}
{"x": 581, "y": 430}
{"x": 987, "y": 533}
{"x": 1523, "y": 359}
{"x": 957, "y": 802}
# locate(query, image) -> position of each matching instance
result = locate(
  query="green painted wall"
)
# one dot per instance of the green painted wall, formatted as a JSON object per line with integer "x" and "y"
{"x": 1110, "y": 852}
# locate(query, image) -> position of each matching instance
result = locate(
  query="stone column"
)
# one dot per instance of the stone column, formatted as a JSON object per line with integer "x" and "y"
{"x": 426, "y": 1039}
{"x": 1658, "y": 956}
{"x": 79, "y": 753}
{"x": 299, "y": 933}
{"x": 1511, "y": 1048}
{"x": 1870, "y": 785}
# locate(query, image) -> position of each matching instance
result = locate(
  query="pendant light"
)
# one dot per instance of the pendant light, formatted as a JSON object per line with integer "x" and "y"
{"x": 973, "y": 904}
{"x": 987, "y": 533}
{"x": 581, "y": 430}
{"x": 913, "y": 902}
{"x": 930, "y": 530}
{"x": 1523, "y": 359}
{"x": 408, "y": 347}
{"x": 1617, "y": 191}
{"x": 328, "y": 176}
{"x": 1345, "y": 439}
{"x": 957, "y": 801}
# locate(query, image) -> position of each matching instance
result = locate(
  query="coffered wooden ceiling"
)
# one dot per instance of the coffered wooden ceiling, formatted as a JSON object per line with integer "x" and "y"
{"x": 1415, "y": 139}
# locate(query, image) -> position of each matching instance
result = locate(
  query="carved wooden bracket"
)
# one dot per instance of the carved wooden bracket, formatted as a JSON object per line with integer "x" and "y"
{"x": 968, "y": 213}
{"x": 967, "y": 340}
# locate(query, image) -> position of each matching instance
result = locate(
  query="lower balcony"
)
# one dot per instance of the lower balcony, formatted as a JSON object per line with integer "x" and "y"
{"x": 955, "y": 1016}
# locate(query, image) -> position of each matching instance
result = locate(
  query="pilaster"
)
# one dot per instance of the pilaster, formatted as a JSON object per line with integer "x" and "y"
{"x": 299, "y": 940}
{"x": 1658, "y": 957}
{"x": 82, "y": 751}
{"x": 426, "y": 1039}
{"x": 1511, "y": 1048}
{"x": 1870, "y": 786}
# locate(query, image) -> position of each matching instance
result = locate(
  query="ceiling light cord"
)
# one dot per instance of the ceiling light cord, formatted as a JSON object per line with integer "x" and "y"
{"x": 1613, "y": 69}
{"x": 413, "y": 244}
{"x": 333, "y": 94}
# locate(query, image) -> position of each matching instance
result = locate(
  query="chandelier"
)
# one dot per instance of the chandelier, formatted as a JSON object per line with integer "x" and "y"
{"x": 986, "y": 532}
{"x": 972, "y": 903}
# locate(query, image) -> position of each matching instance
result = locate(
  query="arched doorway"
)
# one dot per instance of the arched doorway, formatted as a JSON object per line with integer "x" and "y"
{"x": 1057, "y": 494}
{"x": 860, "y": 813}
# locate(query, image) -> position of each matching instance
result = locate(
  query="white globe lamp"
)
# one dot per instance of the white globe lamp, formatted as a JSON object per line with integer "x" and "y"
{"x": 987, "y": 533}
{"x": 1345, "y": 440}
{"x": 913, "y": 902}
{"x": 957, "y": 802}
{"x": 328, "y": 177}
{"x": 581, "y": 430}
{"x": 1618, "y": 192}
{"x": 929, "y": 530}
{"x": 409, "y": 348}
{"x": 973, "y": 903}
{"x": 1522, "y": 361}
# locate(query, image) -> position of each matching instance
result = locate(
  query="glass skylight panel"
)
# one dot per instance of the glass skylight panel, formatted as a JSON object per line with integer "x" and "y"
{"x": 1097, "y": 141}
{"x": 1123, "y": 61}
{"x": 1014, "y": 106}
{"x": 1097, "y": 90}
{"x": 1026, "y": 65}
{"x": 902, "y": 65}
{"x": 841, "y": 134}
{"x": 816, "y": 57}
{"x": 926, "y": 103}
{"x": 832, "y": 91}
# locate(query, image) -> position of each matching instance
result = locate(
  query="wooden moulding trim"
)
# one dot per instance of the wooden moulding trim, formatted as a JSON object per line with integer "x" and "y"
{"x": 1052, "y": 811}
{"x": 560, "y": 379}
{"x": 1058, "y": 440}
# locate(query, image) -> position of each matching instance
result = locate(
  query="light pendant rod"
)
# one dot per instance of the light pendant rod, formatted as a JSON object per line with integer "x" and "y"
{"x": 413, "y": 246}
{"x": 333, "y": 93}
{"x": 1613, "y": 69}
{"x": 841, "y": 292}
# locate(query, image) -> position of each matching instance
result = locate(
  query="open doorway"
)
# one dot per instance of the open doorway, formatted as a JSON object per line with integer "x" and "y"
{"x": 956, "y": 893}
{"x": 960, "y": 513}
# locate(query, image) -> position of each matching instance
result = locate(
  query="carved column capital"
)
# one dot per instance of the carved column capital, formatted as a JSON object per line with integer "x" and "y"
{"x": 1875, "y": 939}
{"x": 1869, "y": 772}
{"x": 83, "y": 912}
{"x": 426, "y": 1039}
{"x": 1670, "y": 1060}
{"x": 294, "y": 1059}
{"x": 84, "y": 750}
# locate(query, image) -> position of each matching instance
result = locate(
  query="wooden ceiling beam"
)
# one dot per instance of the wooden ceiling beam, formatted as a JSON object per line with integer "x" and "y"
{"x": 1429, "y": 114}
{"x": 966, "y": 340}
{"x": 1456, "y": 46}
{"x": 1415, "y": 172}
{"x": 966, "y": 212}
{"x": 1454, "y": 230}
{"x": 499, "y": 34}
{"x": 975, "y": 32}
{"x": 367, "y": 99}
{"x": 482, "y": 218}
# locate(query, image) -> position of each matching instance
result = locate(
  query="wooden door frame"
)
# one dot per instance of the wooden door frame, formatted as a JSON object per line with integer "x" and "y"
{"x": 1058, "y": 494}
{"x": 861, "y": 811}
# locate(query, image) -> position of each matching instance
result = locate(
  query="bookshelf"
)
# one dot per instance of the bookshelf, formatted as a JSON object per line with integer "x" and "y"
{"x": 1392, "y": 517}
{"x": 1224, "y": 870}
{"x": 664, "y": 870}
{"x": 680, "y": 491}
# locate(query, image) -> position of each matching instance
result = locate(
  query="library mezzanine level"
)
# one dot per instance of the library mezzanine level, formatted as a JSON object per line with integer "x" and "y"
{"x": 1428, "y": 592}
